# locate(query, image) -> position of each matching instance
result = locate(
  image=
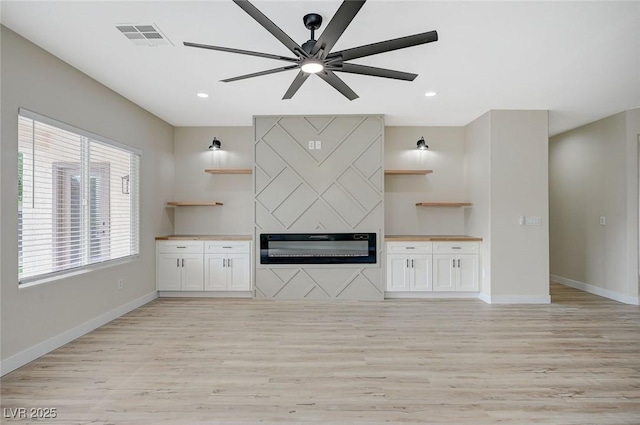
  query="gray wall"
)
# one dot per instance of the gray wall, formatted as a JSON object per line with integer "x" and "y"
{"x": 445, "y": 157}
{"x": 38, "y": 81}
{"x": 507, "y": 177}
{"x": 593, "y": 172}
{"x": 235, "y": 191}
{"x": 336, "y": 189}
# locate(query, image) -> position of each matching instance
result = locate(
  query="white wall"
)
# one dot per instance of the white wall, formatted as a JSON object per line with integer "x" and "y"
{"x": 477, "y": 179}
{"x": 519, "y": 186}
{"x": 633, "y": 203}
{"x": 593, "y": 172}
{"x": 445, "y": 157}
{"x": 506, "y": 176}
{"x": 235, "y": 191}
{"x": 39, "y": 317}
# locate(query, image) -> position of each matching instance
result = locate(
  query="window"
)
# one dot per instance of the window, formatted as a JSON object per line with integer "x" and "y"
{"x": 77, "y": 198}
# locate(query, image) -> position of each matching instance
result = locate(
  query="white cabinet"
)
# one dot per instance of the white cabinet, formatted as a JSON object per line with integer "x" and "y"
{"x": 409, "y": 266}
{"x": 227, "y": 266}
{"x": 455, "y": 266}
{"x": 179, "y": 266}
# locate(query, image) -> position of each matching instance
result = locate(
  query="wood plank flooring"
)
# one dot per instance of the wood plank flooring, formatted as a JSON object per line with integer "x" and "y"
{"x": 215, "y": 361}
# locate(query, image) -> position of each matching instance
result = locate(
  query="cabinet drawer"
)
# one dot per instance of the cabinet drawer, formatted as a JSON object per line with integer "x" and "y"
{"x": 409, "y": 247}
{"x": 456, "y": 247}
{"x": 227, "y": 247}
{"x": 181, "y": 247}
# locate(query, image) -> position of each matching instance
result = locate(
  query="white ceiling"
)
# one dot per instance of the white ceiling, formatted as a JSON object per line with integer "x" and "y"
{"x": 579, "y": 60}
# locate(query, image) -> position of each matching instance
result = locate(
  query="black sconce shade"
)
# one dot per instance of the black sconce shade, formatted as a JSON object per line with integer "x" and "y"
{"x": 422, "y": 145}
{"x": 215, "y": 145}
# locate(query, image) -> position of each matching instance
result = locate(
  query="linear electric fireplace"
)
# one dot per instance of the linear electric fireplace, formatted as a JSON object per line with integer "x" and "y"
{"x": 317, "y": 248}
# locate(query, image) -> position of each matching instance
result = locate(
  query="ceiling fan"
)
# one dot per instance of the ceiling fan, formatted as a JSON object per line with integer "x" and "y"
{"x": 315, "y": 56}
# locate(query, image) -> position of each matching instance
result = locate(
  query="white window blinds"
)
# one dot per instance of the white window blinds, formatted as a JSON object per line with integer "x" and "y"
{"x": 78, "y": 198}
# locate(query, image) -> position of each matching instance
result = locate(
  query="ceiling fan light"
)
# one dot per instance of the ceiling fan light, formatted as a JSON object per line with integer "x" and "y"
{"x": 312, "y": 66}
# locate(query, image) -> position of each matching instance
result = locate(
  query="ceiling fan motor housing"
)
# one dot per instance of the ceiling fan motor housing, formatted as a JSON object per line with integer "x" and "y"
{"x": 312, "y": 21}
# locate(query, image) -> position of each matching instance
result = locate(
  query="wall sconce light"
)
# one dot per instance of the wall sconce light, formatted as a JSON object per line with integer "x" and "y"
{"x": 216, "y": 145}
{"x": 422, "y": 145}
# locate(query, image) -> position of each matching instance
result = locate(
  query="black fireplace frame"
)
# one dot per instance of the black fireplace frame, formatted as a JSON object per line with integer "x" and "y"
{"x": 369, "y": 258}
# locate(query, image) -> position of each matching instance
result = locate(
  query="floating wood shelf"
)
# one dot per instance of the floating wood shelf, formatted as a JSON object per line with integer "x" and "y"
{"x": 443, "y": 204}
{"x": 229, "y": 171}
{"x": 407, "y": 172}
{"x": 194, "y": 204}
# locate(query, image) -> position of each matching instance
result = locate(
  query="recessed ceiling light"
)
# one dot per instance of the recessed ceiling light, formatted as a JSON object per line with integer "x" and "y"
{"x": 430, "y": 93}
{"x": 203, "y": 95}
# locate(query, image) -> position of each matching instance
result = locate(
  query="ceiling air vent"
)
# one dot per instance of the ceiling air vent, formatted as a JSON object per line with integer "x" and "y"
{"x": 144, "y": 35}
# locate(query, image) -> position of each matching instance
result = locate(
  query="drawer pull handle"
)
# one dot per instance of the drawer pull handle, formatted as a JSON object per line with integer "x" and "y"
{"x": 409, "y": 247}
{"x": 181, "y": 247}
{"x": 456, "y": 247}
{"x": 227, "y": 247}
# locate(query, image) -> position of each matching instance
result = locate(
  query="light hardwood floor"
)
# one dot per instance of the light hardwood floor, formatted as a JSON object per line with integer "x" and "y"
{"x": 197, "y": 361}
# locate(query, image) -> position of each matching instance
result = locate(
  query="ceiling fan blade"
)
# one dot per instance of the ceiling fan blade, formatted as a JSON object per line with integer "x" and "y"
{"x": 295, "y": 85}
{"x": 271, "y": 27}
{"x": 242, "y": 52}
{"x": 335, "y": 28}
{"x": 338, "y": 84}
{"x": 353, "y": 68}
{"x": 258, "y": 74}
{"x": 386, "y": 46}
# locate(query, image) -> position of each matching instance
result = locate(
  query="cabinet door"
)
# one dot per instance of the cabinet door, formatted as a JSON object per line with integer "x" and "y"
{"x": 421, "y": 273}
{"x": 215, "y": 272}
{"x": 238, "y": 272}
{"x": 169, "y": 272}
{"x": 467, "y": 273}
{"x": 397, "y": 273}
{"x": 444, "y": 273}
{"x": 192, "y": 272}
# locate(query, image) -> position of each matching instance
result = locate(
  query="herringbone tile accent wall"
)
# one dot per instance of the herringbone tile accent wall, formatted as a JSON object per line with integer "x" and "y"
{"x": 338, "y": 188}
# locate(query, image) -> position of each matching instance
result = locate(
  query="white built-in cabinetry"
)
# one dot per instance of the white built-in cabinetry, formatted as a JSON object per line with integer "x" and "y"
{"x": 418, "y": 267}
{"x": 227, "y": 266}
{"x": 206, "y": 266}
{"x": 180, "y": 266}
{"x": 455, "y": 266}
{"x": 409, "y": 266}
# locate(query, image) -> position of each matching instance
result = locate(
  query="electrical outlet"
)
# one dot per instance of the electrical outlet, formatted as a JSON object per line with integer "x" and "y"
{"x": 318, "y": 144}
{"x": 603, "y": 220}
{"x": 120, "y": 285}
{"x": 312, "y": 144}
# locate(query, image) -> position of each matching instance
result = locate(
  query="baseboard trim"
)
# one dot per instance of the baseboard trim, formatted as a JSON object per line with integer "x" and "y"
{"x": 30, "y": 354}
{"x": 595, "y": 290}
{"x": 515, "y": 299}
{"x": 205, "y": 294}
{"x": 430, "y": 295}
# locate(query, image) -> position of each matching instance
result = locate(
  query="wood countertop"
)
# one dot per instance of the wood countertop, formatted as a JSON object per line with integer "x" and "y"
{"x": 431, "y": 238}
{"x": 205, "y": 238}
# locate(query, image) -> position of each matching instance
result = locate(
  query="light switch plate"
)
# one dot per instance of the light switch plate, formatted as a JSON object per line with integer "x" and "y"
{"x": 533, "y": 221}
{"x": 312, "y": 144}
{"x": 318, "y": 144}
{"x": 603, "y": 220}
